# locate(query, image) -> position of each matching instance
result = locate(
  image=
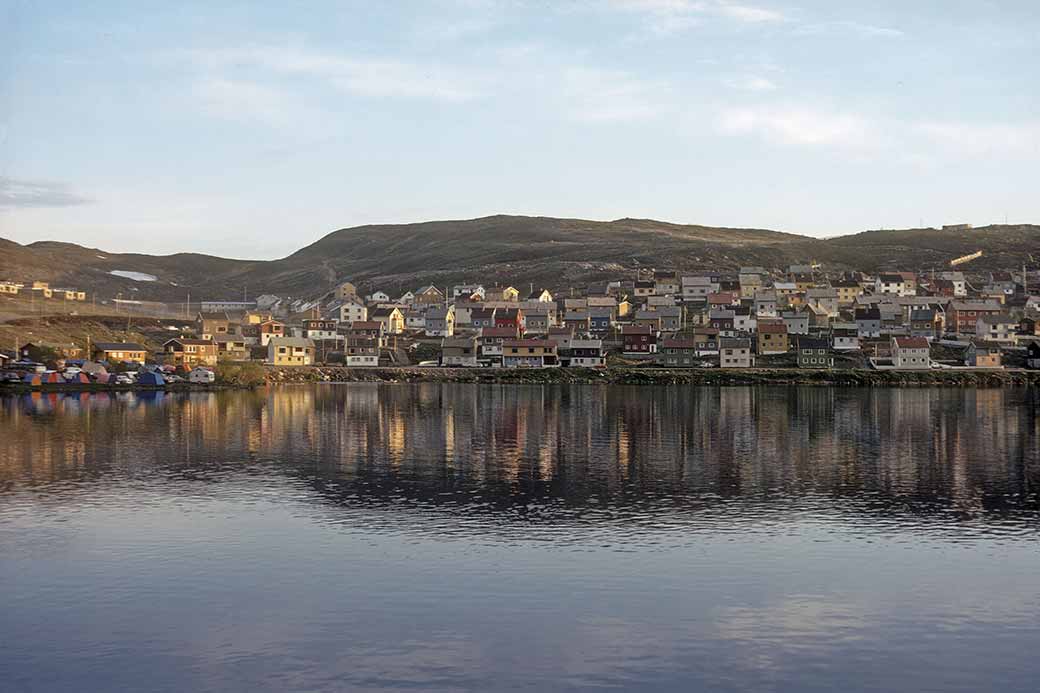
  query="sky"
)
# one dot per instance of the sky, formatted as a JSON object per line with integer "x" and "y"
{"x": 249, "y": 129}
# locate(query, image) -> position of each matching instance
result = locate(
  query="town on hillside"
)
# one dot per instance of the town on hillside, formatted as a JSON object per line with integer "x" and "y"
{"x": 798, "y": 317}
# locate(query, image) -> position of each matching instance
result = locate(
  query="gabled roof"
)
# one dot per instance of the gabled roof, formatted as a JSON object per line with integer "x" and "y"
{"x": 118, "y": 346}
{"x": 911, "y": 342}
{"x": 291, "y": 341}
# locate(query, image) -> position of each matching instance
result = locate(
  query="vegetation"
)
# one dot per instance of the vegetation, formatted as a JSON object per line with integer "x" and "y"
{"x": 240, "y": 374}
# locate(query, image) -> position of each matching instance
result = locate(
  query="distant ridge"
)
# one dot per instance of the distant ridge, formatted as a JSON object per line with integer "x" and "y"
{"x": 546, "y": 251}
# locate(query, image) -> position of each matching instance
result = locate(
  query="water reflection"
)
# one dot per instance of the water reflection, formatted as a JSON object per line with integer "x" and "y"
{"x": 546, "y": 455}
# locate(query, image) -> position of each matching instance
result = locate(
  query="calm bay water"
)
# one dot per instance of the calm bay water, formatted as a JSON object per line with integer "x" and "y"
{"x": 458, "y": 537}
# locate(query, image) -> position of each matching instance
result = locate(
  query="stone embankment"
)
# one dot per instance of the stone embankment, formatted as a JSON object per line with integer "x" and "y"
{"x": 658, "y": 376}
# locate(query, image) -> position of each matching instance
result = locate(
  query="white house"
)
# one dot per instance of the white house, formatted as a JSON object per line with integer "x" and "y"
{"x": 910, "y": 353}
{"x": 351, "y": 312}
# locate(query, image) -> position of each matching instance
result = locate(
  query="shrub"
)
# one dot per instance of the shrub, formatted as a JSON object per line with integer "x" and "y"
{"x": 240, "y": 374}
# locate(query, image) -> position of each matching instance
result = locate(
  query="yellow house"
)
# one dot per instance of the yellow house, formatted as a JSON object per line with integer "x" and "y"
{"x": 346, "y": 291}
{"x": 391, "y": 318}
{"x": 10, "y": 288}
{"x": 290, "y": 351}
{"x": 502, "y": 293}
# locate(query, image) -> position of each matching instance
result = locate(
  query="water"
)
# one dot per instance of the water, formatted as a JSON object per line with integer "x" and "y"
{"x": 458, "y": 537}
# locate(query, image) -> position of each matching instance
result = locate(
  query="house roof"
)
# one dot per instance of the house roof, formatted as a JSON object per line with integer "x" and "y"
{"x": 772, "y": 327}
{"x": 813, "y": 343}
{"x": 911, "y": 342}
{"x": 998, "y": 319}
{"x": 291, "y": 341}
{"x": 498, "y": 332}
{"x": 218, "y": 315}
{"x": 118, "y": 346}
{"x": 529, "y": 343}
{"x": 193, "y": 342}
{"x": 637, "y": 329}
{"x": 734, "y": 343}
{"x": 366, "y": 325}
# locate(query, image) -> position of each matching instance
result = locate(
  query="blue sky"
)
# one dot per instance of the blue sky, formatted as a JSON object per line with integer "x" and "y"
{"x": 249, "y": 130}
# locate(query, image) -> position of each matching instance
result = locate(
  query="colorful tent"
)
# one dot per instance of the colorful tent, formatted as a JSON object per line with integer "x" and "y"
{"x": 32, "y": 379}
{"x": 52, "y": 377}
{"x": 80, "y": 378}
{"x": 151, "y": 378}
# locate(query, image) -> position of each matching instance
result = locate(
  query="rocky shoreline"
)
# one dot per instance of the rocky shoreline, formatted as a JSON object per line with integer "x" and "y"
{"x": 658, "y": 376}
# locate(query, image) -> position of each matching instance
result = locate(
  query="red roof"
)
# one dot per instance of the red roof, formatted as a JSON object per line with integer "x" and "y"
{"x": 637, "y": 329}
{"x": 772, "y": 327}
{"x": 911, "y": 342}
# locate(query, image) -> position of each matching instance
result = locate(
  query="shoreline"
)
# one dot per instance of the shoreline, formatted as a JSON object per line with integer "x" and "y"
{"x": 289, "y": 375}
{"x": 657, "y": 376}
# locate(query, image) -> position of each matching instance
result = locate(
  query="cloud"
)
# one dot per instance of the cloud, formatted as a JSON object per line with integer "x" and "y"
{"x": 983, "y": 138}
{"x": 244, "y": 100}
{"x": 846, "y": 27}
{"x": 750, "y": 83}
{"x": 368, "y": 77}
{"x": 596, "y": 95}
{"x": 664, "y": 17}
{"x": 798, "y": 126}
{"x": 19, "y": 192}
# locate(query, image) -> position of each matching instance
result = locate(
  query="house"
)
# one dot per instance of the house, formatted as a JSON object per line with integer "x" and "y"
{"x": 824, "y": 300}
{"x": 529, "y": 353}
{"x": 190, "y": 352}
{"x": 648, "y": 318}
{"x": 892, "y": 283}
{"x": 379, "y": 297}
{"x": 502, "y": 293}
{"x": 723, "y": 299}
{"x": 414, "y": 320}
{"x": 814, "y": 353}
{"x": 201, "y": 376}
{"x": 346, "y": 291}
{"x": 578, "y": 322}
{"x": 996, "y": 328}
{"x": 362, "y": 350}
{"x": 118, "y": 352}
{"x": 585, "y": 352}
{"x": 406, "y": 299}
{"x": 491, "y": 340}
{"x": 429, "y": 296}
{"x": 667, "y": 284}
{"x": 440, "y": 321}
{"x": 269, "y": 330}
{"x": 910, "y": 353}
{"x": 601, "y": 319}
{"x": 958, "y": 284}
{"x": 290, "y": 351}
{"x": 459, "y": 352}
{"x": 797, "y": 321}
{"x": 868, "y": 322}
{"x": 751, "y": 280}
{"x": 563, "y": 336}
{"x": 466, "y": 291}
{"x": 351, "y": 312}
{"x": 671, "y": 318}
{"x": 541, "y": 295}
{"x": 679, "y": 352}
{"x": 538, "y": 321}
{"x": 735, "y": 353}
{"x": 510, "y": 317}
{"x": 390, "y": 317}
{"x": 963, "y": 316}
{"x": 231, "y": 348}
{"x": 639, "y": 339}
{"x": 706, "y": 339}
{"x": 320, "y": 329}
{"x": 697, "y": 288}
{"x": 848, "y": 290}
{"x": 210, "y": 325}
{"x": 1033, "y": 355}
{"x": 772, "y": 337}
{"x": 744, "y": 319}
{"x": 1029, "y": 327}
{"x": 982, "y": 354}
{"x": 765, "y": 304}
{"x": 10, "y": 288}
{"x": 368, "y": 329}
{"x": 481, "y": 317}
{"x": 845, "y": 338}
{"x": 925, "y": 322}
{"x": 659, "y": 301}
{"x": 723, "y": 321}
{"x": 643, "y": 288}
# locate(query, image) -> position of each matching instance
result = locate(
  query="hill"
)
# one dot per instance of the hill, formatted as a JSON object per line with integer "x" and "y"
{"x": 556, "y": 253}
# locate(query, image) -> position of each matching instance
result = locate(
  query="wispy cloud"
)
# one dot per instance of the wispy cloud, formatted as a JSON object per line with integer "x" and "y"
{"x": 664, "y": 17}
{"x": 596, "y": 95}
{"x": 239, "y": 99}
{"x": 363, "y": 76}
{"x": 1021, "y": 139}
{"x": 19, "y": 192}
{"x": 848, "y": 27}
{"x": 750, "y": 83}
{"x": 798, "y": 126}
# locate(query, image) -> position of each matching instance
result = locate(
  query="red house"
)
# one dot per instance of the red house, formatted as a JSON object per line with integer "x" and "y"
{"x": 510, "y": 317}
{"x": 639, "y": 339}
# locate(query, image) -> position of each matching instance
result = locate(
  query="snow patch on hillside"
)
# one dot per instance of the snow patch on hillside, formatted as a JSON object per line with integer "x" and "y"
{"x": 136, "y": 276}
